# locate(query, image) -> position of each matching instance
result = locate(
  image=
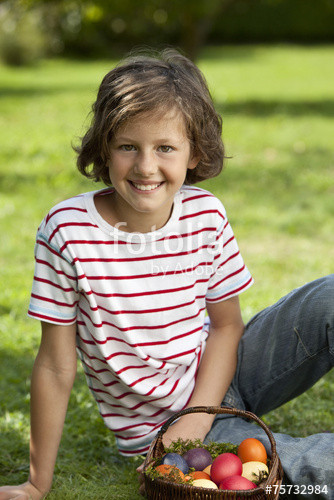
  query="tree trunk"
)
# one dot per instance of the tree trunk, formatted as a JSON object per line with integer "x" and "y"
{"x": 195, "y": 29}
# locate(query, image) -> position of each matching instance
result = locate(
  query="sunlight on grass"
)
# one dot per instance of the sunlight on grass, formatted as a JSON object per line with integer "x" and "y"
{"x": 277, "y": 105}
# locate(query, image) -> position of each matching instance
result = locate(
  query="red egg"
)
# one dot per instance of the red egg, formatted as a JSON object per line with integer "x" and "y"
{"x": 225, "y": 465}
{"x": 236, "y": 483}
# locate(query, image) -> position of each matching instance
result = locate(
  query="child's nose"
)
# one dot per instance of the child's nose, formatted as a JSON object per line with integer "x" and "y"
{"x": 145, "y": 164}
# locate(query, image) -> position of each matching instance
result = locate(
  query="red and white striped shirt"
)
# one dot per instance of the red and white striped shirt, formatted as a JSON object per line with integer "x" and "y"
{"x": 138, "y": 300}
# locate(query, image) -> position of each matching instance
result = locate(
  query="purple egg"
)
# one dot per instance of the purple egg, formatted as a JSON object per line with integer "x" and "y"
{"x": 198, "y": 458}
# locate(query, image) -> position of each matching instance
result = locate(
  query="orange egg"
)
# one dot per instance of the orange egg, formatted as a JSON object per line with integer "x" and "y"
{"x": 197, "y": 474}
{"x": 170, "y": 471}
{"x": 252, "y": 449}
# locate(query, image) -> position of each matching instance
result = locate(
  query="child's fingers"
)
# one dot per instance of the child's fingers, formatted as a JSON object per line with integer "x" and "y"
{"x": 24, "y": 491}
{"x": 140, "y": 468}
{"x": 141, "y": 479}
{"x": 140, "y": 475}
{"x": 142, "y": 489}
{"x": 13, "y": 493}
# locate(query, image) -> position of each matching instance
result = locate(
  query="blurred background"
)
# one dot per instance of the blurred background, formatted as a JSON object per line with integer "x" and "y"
{"x": 31, "y": 29}
{"x": 270, "y": 68}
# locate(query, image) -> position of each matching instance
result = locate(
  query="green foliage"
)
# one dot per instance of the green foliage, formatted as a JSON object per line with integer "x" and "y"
{"x": 275, "y": 20}
{"x": 181, "y": 446}
{"x": 22, "y": 40}
{"x": 277, "y": 189}
{"x": 105, "y": 28}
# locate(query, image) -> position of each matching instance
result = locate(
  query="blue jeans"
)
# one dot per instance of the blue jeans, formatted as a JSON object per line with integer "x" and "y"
{"x": 285, "y": 349}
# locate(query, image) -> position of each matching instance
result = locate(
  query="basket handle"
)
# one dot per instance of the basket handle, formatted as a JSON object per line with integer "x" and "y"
{"x": 218, "y": 410}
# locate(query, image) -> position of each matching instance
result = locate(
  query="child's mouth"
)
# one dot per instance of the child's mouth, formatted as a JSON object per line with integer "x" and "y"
{"x": 145, "y": 187}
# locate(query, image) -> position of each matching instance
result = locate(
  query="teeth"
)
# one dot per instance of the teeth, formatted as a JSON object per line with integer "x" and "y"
{"x": 146, "y": 187}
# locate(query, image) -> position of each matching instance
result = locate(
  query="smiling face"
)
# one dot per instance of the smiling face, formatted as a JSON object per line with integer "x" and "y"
{"x": 149, "y": 159}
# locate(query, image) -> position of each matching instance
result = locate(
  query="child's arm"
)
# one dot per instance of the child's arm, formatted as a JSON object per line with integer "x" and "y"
{"x": 214, "y": 375}
{"x": 216, "y": 369}
{"x": 52, "y": 380}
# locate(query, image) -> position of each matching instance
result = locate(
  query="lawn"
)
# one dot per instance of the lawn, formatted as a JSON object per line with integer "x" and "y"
{"x": 277, "y": 105}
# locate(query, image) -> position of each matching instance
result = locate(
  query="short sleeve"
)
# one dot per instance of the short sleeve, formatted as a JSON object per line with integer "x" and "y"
{"x": 54, "y": 294}
{"x": 230, "y": 275}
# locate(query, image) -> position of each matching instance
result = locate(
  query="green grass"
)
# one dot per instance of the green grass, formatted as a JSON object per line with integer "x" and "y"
{"x": 278, "y": 105}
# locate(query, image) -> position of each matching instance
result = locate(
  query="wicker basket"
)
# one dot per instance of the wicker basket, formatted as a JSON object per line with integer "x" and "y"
{"x": 163, "y": 489}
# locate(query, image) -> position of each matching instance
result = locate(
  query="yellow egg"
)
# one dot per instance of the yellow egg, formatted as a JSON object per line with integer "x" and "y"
{"x": 254, "y": 471}
{"x": 207, "y": 469}
{"x": 205, "y": 483}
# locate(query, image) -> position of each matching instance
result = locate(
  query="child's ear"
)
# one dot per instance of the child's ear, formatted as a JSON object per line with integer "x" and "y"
{"x": 193, "y": 162}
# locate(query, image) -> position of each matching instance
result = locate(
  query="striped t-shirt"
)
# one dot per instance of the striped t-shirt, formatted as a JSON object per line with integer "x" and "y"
{"x": 138, "y": 300}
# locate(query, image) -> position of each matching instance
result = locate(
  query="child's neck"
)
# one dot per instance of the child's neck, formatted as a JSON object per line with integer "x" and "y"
{"x": 130, "y": 221}
{"x": 142, "y": 225}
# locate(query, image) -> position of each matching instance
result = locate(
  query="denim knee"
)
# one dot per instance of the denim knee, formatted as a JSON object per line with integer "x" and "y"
{"x": 328, "y": 309}
{"x": 315, "y": 317}
{"x": 326, "y": 291}
{"x": 323, "y": 299}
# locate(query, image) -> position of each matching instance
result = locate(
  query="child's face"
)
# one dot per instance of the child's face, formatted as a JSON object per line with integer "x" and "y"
{"x": 149, "y": 158}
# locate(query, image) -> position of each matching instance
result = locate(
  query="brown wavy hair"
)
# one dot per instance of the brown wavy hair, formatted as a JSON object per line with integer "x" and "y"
{"x": 153, "y": 83}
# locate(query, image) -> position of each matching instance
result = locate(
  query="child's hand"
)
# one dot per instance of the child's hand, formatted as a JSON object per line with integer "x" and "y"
{"x": 140, "y": 479}
{"x": 25, "y": 491}
{"x": 192, "y": 426}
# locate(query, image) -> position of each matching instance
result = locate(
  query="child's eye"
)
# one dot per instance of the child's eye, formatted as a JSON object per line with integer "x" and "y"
{"x": 166, "y": 149}
{"x": 127, "y": 147}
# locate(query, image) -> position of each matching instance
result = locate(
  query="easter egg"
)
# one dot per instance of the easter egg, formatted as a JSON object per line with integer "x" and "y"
{"x": 170, "y": 471}
{"x": 208, "y": 469}
{"x": 177, "y": 460}
{"x": 252, "y": 449}
{"x": 205, "y": 483}
{"x": 198, "y": 458}
{"x": 236, "y": 483}
{"x": 255, "y": 471}
{"x": 197, "y": 474}
{"x": 225, "y": 465}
